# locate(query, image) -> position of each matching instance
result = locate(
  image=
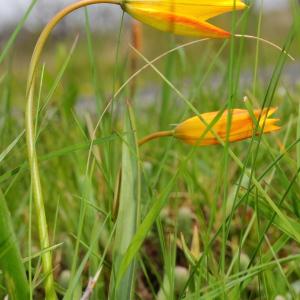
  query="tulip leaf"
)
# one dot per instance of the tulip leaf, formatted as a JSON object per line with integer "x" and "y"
{"x": 128, "y": 212}
{"x": 144, "y": 228}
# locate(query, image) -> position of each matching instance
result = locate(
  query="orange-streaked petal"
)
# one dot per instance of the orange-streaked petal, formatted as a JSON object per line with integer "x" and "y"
{"x": 178, "y": 24}
{"x": 242, "y": 126}
{"x": 204, "y": 9}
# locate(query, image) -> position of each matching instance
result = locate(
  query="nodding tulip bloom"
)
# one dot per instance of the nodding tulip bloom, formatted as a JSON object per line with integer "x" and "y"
{"x": 182, "y": 17}
{"x": 242, "y": 127}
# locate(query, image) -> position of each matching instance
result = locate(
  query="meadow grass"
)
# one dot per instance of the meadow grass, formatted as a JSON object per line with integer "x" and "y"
{"x": 164, "y": 220}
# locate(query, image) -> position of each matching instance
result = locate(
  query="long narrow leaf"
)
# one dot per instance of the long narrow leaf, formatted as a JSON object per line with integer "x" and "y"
{"x": 128, "y": 213}
{"x": 10, "y": 257}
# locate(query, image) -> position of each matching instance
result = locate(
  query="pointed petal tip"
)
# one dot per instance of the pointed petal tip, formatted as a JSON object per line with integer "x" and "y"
{"x": 271, "y": 111}
{"x": 266, "y": 112}
{"x": 241, "y": 5}
{"x": 272, "y": 126}
{"x": 223, "y": 35}
{"x": 275, "y": 128}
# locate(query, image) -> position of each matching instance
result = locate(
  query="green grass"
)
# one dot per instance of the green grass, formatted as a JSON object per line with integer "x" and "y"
{"x": 165, "y": 220}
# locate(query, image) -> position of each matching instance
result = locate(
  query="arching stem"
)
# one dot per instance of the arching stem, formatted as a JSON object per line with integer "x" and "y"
{"x": 257, "y": 38}
{"x": 30, "y": 136}
{"x": 155, "y": 135}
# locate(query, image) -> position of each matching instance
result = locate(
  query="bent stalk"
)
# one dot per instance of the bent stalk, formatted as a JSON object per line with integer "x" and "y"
{"x": 155, "y": 135}
{"x": 31, "y": 142}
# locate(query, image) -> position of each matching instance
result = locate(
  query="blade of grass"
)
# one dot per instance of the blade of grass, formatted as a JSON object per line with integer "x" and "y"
{"x": 98, "y": 227}
{"x": 97, "y": 84}
{"x": 59, "y": 76}
{"x": 59, "y": 153}
{"x": 14, "y": 35}
{"x": 10, "y": 258}
{"x": 144, "y": 229}
{"x": 122, "y": 283}
{"x": 11, "y": 146}
{"x": 213, "y": 291}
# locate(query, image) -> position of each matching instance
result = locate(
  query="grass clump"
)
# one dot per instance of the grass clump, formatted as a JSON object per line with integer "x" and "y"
{"x": 166, "y": 220}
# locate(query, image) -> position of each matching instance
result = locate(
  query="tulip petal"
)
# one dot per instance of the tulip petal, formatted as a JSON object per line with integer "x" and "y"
{"x": 204, "y": 9}
{"x": 242, "y": 126}
{"x": 178, "y": 24}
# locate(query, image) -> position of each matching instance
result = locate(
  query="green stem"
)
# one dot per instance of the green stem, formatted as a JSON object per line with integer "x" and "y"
{"x": 155, "y": 135}
{"x": 30, "y": 135}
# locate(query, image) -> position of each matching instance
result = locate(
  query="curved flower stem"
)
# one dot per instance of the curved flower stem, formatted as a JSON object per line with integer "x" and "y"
{"x": 155, "y": 135}
{"x": 257, "y": 38}
{"x": 30, "y": 136}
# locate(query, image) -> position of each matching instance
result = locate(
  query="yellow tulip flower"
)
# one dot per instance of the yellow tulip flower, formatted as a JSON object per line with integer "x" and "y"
{"x": 182, "y": 17}
{"x": 242, "y": 127}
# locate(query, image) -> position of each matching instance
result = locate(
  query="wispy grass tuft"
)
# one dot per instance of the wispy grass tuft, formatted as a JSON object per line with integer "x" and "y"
{"x": 165, "y": 220}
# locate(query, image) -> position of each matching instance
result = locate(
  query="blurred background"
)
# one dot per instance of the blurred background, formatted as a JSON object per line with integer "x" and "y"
{"x": 103, "y": 18}
{"x": 104, "y": 21}
{"x": 12, "y": 11}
